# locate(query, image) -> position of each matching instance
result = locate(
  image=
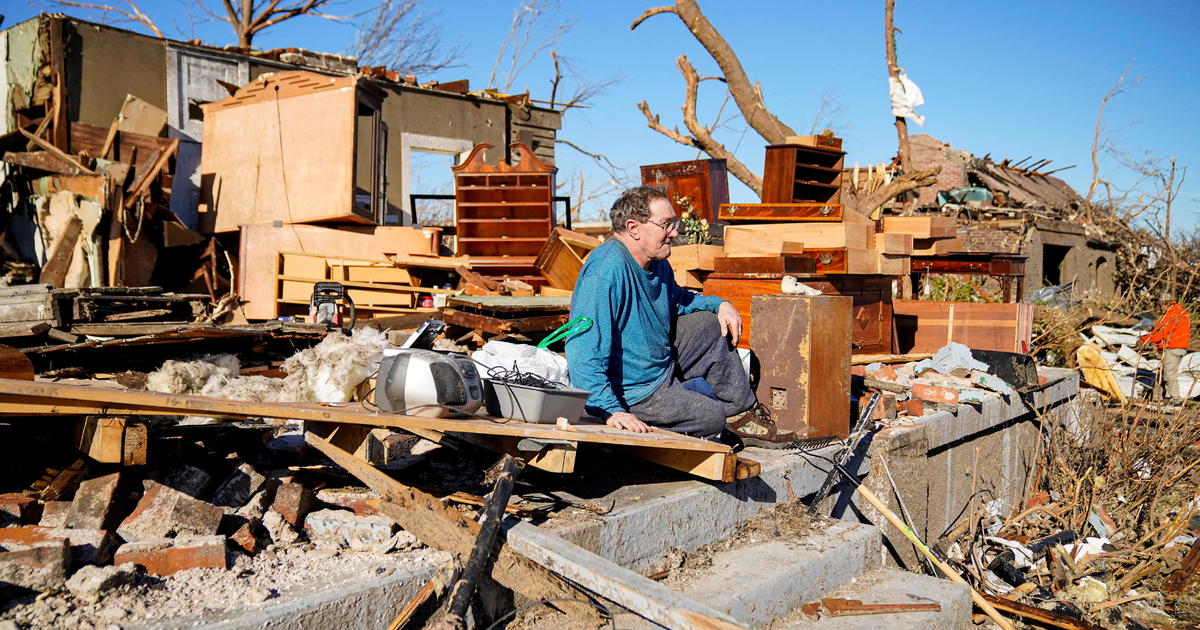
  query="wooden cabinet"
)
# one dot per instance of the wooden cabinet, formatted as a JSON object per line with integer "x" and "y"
{"x": 803, "y": 349}
{"x": 503, "y": 213}
{"x": 698, "y": 186}
{"x": 796, "y": 173}
{"x": 870, "y": 319}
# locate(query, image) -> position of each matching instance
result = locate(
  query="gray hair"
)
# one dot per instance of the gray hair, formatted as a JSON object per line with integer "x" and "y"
{"x": 634, "y": 204}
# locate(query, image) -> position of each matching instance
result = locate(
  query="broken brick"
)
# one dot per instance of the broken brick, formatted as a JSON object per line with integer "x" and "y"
{"x": 42, "y": 567}
{"x": 96, "y": 504}
{"x": 238, "y": 487}
{"x": 250, "y": 536}
{"x": 167, "y": 556}
{"x": 361, "y": 501}
{"x": 21, "y": 508}
{"x": 914, "y": 408}
{"x": 933, "y": 393}
{"x": 88, "y": 546}
{"x": 858, "y": 370}
{"x": 90, "y": 582}
{"x": 165, "y": 512}
{"x": 279, "y": 530}
{"x": 54, "y": 513}
{"x": 341, "y": 528}
{"x": 293, "y": 502}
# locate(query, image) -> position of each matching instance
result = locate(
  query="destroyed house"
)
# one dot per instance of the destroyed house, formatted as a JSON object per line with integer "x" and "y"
{"x": 1024, "y": 210}
{"x": 79, "y": 75}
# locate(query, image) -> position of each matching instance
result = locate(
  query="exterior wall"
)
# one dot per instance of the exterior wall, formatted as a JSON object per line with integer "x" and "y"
{"x": 1088, "y": 263}
{"x": 982, "y": 237}
{"x": 104, "y": 64}
{"x": 927, "y": 151}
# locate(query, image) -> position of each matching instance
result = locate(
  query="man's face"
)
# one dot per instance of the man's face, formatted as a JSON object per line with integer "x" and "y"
{"x": 655, "y": 239}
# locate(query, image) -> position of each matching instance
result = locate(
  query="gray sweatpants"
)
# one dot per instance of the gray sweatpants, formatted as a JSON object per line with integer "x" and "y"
{"x": 700, "y": 352}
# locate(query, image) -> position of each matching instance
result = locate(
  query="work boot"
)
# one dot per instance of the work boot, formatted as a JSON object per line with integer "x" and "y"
{"x": 756, "y": 427}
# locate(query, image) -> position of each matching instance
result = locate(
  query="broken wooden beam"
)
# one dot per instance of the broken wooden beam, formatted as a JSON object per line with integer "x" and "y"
{"x": 632, "y": 591}
{"x": 442, "y": 527}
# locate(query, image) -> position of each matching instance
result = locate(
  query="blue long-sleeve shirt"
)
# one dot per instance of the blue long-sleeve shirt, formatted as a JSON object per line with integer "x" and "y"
{"x": 626, "y": 354}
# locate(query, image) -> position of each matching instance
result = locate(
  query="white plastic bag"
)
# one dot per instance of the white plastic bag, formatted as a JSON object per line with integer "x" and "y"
{"x": 526, "y": 358}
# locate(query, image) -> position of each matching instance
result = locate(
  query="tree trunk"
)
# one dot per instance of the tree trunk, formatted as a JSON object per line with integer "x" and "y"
{"x": 889, "y": 32}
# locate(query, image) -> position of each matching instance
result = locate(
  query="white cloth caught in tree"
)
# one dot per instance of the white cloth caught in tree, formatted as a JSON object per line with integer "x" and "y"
{"x": 906, "y": 97}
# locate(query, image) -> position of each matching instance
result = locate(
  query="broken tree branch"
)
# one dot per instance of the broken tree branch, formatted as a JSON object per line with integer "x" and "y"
{"x": 871, "y": 203}
{"x": 748, "y": 96}
{"x": 701, "y": 137}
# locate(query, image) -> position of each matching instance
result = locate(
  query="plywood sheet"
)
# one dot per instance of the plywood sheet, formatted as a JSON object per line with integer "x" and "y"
{"x": 768, "y": 240}
{"x": 262, "y": 244}
{"x": 270, "y": 161}
{"x": 925, "y": 326}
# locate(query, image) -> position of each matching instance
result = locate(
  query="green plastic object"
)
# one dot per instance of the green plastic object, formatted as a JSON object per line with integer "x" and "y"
{"x": 575, "y": 326}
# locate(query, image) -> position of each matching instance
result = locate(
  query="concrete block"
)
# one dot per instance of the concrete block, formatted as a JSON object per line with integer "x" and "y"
{"x": 171, "y": 555}
{"x": 42, "y": 567}
{"x": 187, "y": 479}
{"x": 772, "y": 578}
{"x": 891, "y": 586}
{"x": 96, "y": 504}
{"x": 238, "y": 487}
{"x": 279, "y": 530}
{"x": 20, "y": 508}
{"x": 165, "y": 512}
{"x": 361, "y": 501}
{"x": 54, "y": 513}
{"x": 341, "y": 528}
{"x": 293, "y": 501}
{"x": 89, "y": 583}
{"x": 88, "y": 546}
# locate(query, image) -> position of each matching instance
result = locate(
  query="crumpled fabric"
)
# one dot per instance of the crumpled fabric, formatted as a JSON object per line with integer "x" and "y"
{"x": 906, "y": 97}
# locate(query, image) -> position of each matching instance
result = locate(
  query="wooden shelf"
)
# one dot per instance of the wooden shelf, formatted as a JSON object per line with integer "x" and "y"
{"x": 471, "y": 204}
{"x": 796, "y": 173}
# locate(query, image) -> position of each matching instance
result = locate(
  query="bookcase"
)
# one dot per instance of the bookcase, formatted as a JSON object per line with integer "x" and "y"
{"x": 797, "y": 173}
{"x": 504, "y": 213}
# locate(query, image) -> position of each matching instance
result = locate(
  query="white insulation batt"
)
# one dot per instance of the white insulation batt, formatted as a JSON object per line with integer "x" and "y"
{"x": 327, "y": 372}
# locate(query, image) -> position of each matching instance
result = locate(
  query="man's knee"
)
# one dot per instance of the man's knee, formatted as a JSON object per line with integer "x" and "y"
{"x": 701, "y": 324}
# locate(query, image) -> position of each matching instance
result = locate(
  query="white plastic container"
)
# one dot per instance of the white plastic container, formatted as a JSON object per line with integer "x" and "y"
{"x": 532, "y": 404}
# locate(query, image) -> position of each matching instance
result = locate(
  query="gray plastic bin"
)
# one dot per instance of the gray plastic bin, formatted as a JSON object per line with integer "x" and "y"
{"x": 532, "y": 404}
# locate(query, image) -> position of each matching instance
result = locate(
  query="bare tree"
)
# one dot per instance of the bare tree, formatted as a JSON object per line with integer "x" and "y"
{"x": 830, "y": 108}
{"x": 132, "y": 14}
{"x": 748, "y": 97}
{"x": 248, "y": 18}
{"x": 535, "y": 28}
{"x": 1100, "y": 140}
{"x": 889, "y": 33}
{"x": 399, "y": 35}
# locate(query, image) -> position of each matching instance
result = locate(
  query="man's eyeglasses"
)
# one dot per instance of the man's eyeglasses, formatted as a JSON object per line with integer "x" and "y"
{"x": 672, "y": 224}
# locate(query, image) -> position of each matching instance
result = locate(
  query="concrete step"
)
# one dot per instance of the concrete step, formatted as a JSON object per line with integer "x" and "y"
{"x": 759, "y": 583}
{"x": 892, "y": 586}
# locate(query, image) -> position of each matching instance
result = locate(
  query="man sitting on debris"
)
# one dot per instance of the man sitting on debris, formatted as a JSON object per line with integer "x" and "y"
{"x": 1171, "y": 333}
{"x": 657, "y": 354}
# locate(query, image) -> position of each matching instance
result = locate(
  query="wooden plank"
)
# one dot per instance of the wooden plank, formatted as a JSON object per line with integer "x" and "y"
{"x": 14, "y": 364}
{"x": 511, "y": 303}
{"x": 53, "y": 150}
{"x": 714, "y": 466}
{"x": 498, "y": 326}
{"x": 142, "y": 184}
{"x": 922, "y": 227}
{"x": 1048, "y": 617}
{"x": 70, "y": 396}
{"x": 430, "y": 262}
{"x": 768, "y": 240}
{"x": 42, "y": 161}
{"x": 695, "y": 257}
{"x": 894, "y": 243}
{"x": 636, "y": 593}
{"x": 54, "y": 272}
{"x": 925, "y": 325}
{"x": 101, "y": 438}
{"x": 445, "y": 528}
{"x": 374, "y": 286}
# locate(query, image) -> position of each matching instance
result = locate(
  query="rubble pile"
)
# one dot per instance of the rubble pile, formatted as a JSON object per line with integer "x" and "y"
{"x": 1108, "y": 531}
{"x": 1135, "y": 367}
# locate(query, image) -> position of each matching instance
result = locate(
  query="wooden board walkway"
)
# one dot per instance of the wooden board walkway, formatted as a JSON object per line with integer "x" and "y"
{"x": 698, "y": 457}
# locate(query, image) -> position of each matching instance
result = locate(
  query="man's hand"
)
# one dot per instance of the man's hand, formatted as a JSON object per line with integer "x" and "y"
{"x": 730, "y": 322}
{"x": 627, "y": 421}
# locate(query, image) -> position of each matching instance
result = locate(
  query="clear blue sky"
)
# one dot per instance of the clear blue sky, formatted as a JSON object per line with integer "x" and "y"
{"x": 1012, "y": 79}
